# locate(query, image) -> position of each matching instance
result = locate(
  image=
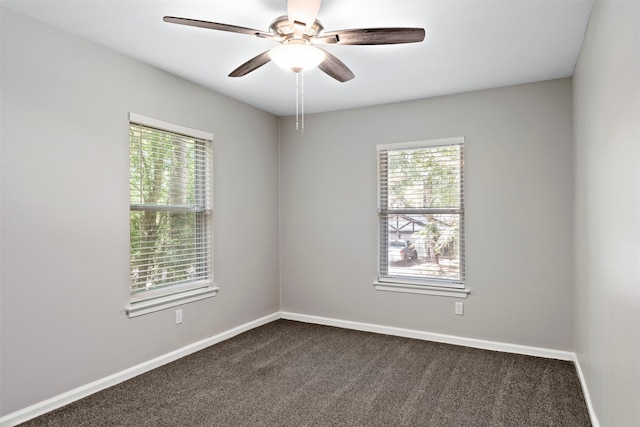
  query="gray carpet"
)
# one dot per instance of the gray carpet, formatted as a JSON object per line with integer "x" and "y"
{"x": 297, "y": 374}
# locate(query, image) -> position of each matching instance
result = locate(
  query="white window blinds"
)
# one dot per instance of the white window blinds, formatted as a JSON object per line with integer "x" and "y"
{"x": 170, "y": 210}
{"x": 421, "y": 212}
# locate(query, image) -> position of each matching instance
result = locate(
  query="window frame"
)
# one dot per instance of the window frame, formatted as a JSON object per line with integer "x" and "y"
{"x": 428, "y": 285}
{"x": 145, "y": 302}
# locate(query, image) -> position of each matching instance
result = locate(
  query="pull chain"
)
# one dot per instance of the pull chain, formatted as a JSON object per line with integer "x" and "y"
{"x": 300, "y": 101}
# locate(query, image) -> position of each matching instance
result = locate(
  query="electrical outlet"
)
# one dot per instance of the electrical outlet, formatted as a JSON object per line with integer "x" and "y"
{"x": 178, "y": 316}
{"x": 459, "y": 310}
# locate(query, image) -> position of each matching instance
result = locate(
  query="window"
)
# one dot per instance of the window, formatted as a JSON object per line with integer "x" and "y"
{"x": 421, "y": 216}
{"x": 170, "y": 189}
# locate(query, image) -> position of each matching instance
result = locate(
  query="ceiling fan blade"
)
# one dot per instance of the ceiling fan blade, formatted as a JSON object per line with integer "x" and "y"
{"x": 251, "y": 65}
{"x": 372, "y": 36}
{"x": 216, "y": 26}
{"x": 335, "y": 68}
{"x": 303, "y": 13}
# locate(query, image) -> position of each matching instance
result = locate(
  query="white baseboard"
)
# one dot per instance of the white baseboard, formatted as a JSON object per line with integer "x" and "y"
{"x": 430, "y": 336}
{"x": 587, "y": 396}
{"x": 103, "y": 383}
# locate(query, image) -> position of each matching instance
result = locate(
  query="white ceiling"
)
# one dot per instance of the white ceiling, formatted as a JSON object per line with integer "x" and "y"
{"x": 469, "y": 45}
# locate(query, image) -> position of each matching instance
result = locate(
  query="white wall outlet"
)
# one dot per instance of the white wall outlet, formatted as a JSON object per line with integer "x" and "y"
{"x": 459, "y": 310}
{"x": 178, "y": 316}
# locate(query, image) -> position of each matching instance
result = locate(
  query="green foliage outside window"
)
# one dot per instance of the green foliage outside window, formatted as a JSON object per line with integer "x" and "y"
{"x": 423, "y": 204}
{"x": 168, "y": 208}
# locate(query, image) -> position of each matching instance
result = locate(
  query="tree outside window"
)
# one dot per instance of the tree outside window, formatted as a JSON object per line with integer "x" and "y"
{"x": 169, "y": 210}
{"x": 421, "y": 212}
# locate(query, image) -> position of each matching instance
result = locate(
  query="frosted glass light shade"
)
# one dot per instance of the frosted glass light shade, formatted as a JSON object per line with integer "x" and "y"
{"x": 297, "y": 57}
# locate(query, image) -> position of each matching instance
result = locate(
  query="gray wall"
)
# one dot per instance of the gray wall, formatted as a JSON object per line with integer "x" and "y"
{"x": 518, "y": 184}
{"x": 64, "y": 212}
{"x": 64, "y": 245}
{"x": 607, "y": 211}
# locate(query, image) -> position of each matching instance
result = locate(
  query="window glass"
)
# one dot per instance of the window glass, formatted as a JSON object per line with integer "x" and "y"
{"x": 170, "y": 192}
{"x": 421, "y": 212}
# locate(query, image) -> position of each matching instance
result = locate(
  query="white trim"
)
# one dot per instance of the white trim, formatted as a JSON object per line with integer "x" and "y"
{"x": 585, "y": 391}
{"x": 420, "y": 144}
{"x": 103, "y": 383}
{"x": 171, "y": 127}
{"x": 150, "y": 301}
{"x": 138, "y": 308}
{"x": 431, "y": 336}
{"x": 421, "y": 289}
{"x": 144, "y": 295}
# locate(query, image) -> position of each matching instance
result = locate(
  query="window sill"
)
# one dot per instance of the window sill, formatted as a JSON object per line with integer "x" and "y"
{"x": 421, "y": 289}
{"x": 140, "y": 308}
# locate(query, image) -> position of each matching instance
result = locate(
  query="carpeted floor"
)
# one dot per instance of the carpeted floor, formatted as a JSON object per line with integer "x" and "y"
{"x": 297, "y": 374}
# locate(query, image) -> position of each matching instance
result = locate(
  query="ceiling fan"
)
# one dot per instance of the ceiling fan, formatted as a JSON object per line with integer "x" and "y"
{"x": 299, "y": 33}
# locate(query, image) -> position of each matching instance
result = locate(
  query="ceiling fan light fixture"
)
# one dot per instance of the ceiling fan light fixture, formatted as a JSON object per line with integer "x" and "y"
{"x": 297, "y": 57}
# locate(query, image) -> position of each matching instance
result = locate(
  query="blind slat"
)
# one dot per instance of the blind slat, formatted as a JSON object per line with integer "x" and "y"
{"x": 167, "y": 208}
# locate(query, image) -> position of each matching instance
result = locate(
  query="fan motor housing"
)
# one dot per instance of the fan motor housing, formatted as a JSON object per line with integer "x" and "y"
{"x": 281, "y": 27}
